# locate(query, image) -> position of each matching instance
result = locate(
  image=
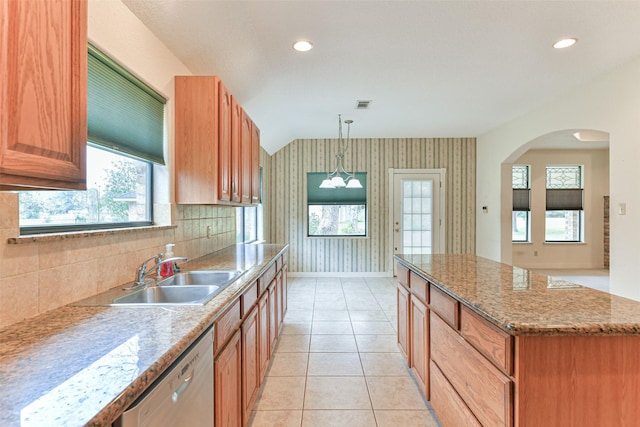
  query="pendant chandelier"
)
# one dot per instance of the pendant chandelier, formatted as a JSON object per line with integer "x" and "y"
{"x": 340, "y": 178}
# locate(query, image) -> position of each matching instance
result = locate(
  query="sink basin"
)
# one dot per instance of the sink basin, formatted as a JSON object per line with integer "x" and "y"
{"x": 185, "y": 288}
{"x": 197, "y": 278}
{"x": 166, "y": 295}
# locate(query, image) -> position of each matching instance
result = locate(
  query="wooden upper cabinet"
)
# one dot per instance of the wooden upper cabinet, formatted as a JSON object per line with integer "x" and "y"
{"x": 196, "y": 139}
{"x": 236, "y": 150}
{"x": 246, "y": 152}
{"x": 213, "y": 145}
{"x": 255, "y": 164}
{"x": 43, "y": 94}
{"x": 224, "y": 140}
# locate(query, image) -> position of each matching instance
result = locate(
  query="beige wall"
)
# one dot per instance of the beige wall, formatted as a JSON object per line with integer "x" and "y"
{"x": 590, "y": 253}
{"x": 610, "y": 103}
{"x": 288, "y": 198}
{"x": 36, "y": 277}
{"x": 265, "y": 162}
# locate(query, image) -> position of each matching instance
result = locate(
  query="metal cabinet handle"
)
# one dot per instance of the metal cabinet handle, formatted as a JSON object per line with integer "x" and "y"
{"x": 181, "y": 389}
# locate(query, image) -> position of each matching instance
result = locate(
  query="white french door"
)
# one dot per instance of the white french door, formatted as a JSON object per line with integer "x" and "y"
{"x": 417, "y": 206}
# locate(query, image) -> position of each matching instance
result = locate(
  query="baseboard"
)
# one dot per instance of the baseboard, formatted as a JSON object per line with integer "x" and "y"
{"x": 339, "y": 274}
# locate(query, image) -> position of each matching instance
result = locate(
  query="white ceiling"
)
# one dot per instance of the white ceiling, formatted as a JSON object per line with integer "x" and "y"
{"x": 431, "y": 68}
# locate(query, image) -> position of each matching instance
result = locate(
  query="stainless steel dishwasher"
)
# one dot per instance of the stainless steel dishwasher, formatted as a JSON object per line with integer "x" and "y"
{"x": 182, "y": 396}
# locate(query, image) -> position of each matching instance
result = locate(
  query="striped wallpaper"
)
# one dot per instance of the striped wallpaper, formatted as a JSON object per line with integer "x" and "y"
{"x": 285, "y": 197}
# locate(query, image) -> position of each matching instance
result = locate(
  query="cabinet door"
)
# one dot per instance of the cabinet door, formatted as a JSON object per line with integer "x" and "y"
{"x": 236, "y": 150}
{"x": 196, "y": 139}
{"x": 403, "y": 322}
{"x": 255, "y": 164}
{"x": 273, "y": 316}
{"x": 228, "y": 385}
{"x": 43, "y": 94}
{"x": 419, "y": 350}
{"x": 224, "y": 142}
{"x": 246, "y": 153}
{"x": 279, "y": 292}
{"x": 283, "y": 296}
{"x": 263, "y": 320}
{"x": 250, "y": 362}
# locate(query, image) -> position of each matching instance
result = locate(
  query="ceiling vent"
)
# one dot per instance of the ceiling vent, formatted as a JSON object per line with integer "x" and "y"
{"x": 363, "y": 105}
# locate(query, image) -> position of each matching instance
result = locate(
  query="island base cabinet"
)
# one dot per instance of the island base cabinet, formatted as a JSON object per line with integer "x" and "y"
{"x": 577, "y": 381}
{"x": 451, "y": 409}
{"x": 403, "y": 322}
{"x": 420, "y": 344}
{"x": 485, "y": 390}
{"x": 227, "y": 369}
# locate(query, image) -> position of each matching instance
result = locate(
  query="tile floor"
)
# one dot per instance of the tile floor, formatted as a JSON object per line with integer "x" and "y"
{"x": 337, "y": 362}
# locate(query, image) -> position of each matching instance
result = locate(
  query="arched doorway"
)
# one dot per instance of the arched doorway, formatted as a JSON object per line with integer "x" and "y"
{"x": 584, "y": 149}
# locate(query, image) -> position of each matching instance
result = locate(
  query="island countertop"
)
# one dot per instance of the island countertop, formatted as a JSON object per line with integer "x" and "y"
{"x": 522, "y": 302}
{"x": 77, "y": 366}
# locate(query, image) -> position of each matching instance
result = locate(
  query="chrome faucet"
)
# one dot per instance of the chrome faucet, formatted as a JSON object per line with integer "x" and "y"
{"x": 161, "y": 261}
{"x": 142, "y": 272}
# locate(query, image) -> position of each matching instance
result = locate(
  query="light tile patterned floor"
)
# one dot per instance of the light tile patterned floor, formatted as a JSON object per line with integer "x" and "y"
{"x": 337, "y": 362}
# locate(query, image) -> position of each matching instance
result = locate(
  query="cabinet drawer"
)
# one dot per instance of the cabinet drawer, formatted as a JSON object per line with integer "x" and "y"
{"x": 267, "y": 277}
{"x": 279, "y": 263}
{"x": 226, "y": 325}
{"x": 445, "y": 306}
{"x": 449, "y": 407}
{"x": 403, "y": 275}
{"x": 248, "y": 299}
{"x": 419, "y": 287}
{"x": 496, "y": 345}
{"x": 484, "y": 389}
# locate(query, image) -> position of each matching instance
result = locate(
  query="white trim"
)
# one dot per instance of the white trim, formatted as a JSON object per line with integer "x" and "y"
{"x": 339, "y": 274}
{"x": 442, "y": 173}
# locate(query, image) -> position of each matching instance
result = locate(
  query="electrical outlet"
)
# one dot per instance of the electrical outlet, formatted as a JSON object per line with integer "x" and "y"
{"x": 535, "y": 253}
{"x": 208, "y": 231}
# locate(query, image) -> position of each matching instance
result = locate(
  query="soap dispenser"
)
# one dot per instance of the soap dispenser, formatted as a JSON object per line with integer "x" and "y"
{"x": 167, "y": 269}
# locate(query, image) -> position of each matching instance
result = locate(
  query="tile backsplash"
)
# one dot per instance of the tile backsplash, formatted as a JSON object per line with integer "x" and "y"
{"x": 39, "y": 276}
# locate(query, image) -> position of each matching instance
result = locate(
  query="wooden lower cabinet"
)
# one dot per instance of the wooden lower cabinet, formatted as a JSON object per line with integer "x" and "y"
{"x": 451, "y": 409}
{"x": 483, "y": 387}
{"x": 263, "y": 315}
{"x": 403, "y": 322}
{"x": 419, "y": 347}
{"x": 251, "y": 378}
{"x": 283, "y": 295}
{"x": 273, "y": 316}
{"x": 227, "y": 369}
{"x": 245, "y": 335}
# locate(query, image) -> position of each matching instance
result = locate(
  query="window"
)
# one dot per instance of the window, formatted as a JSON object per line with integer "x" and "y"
{"x": 126, "y": 135}
{"x": 336, "y": 212}
{"x": 249, "y": 224}
{"x": 520, "y": 222}
{"x": 564, "y": 211}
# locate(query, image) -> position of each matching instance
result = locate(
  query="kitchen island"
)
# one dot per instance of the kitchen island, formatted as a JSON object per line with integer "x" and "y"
{"x": 493, "y": 344}
{"x": 77, "y": 366}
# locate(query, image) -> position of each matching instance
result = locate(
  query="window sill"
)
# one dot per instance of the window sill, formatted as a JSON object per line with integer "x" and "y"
{"x": 54, "y": 237}
{"x": 564, "y": 243}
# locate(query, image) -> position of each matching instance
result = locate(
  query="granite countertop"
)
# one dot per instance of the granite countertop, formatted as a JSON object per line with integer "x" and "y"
{"x": 522, "y": 302}
{"x": 77, "y": 366}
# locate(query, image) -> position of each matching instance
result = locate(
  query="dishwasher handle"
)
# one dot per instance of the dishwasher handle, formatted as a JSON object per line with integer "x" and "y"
{"x": 182, "y": 388}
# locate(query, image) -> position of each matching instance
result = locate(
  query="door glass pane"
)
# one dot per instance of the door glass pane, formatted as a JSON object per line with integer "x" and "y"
{"x": 417, "y": 205}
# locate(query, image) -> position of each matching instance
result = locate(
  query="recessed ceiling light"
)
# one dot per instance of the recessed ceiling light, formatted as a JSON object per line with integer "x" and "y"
{"x": 303, "y": 46}
{"x": 564, "y": 43}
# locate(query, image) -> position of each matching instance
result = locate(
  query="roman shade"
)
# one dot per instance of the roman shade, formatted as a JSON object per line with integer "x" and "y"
{"x": 521, "y": 199}
{"x": 564, "y": 199}
{"x": 124, "y": 114}
{"x": 335, "y": 196}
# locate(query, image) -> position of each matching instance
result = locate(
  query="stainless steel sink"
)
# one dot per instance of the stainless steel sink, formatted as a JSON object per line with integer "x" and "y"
{"x": 185, "y": 288}
{"x": 167, "y": 295}
{"x": 197, "y": 278}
